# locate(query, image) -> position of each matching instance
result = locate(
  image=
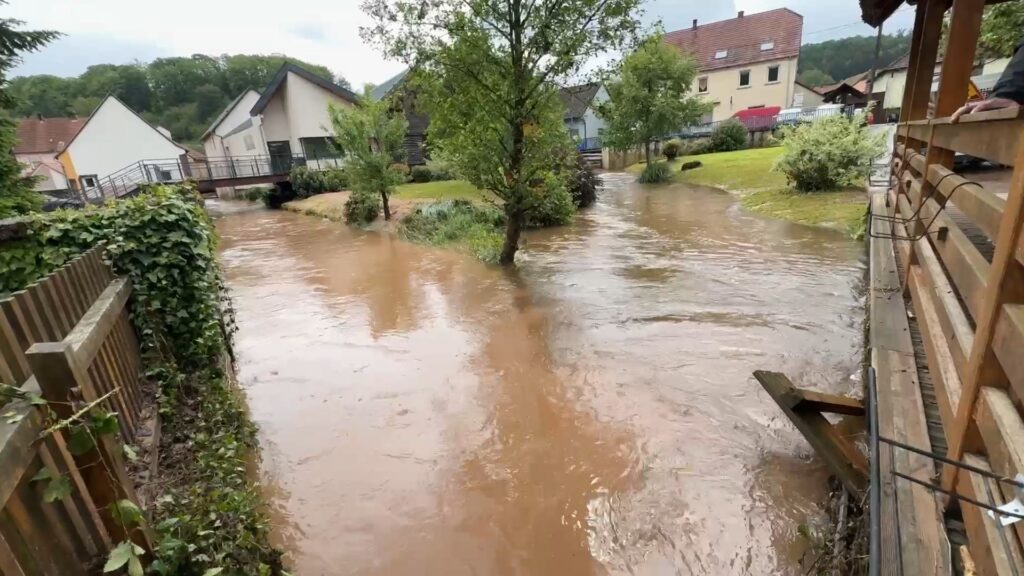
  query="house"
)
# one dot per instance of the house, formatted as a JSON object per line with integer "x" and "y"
{"x": 805, "y": 96}
{"x": 890, "y": 82}
{"x": 416, "y": 119}
{"x": 850, "y": 91}
{"x": 113, "y": 138}
{"x": 292, "y": 114}
{"x": 581, "y": 119}
{"x": 746, "y": 62}
{"x": 39, "y": 141}
{"x": 234, "y": 132}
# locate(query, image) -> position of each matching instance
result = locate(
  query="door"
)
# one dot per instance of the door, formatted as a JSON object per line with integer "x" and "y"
{"x": 280, "y": 156}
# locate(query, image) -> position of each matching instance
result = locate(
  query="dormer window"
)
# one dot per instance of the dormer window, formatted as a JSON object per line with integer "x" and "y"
{"x": 765, "y": 46}
{"x": 721, "y": 54}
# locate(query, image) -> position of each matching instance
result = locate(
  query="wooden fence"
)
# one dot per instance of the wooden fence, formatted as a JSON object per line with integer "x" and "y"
{"x": 67, "y": 338}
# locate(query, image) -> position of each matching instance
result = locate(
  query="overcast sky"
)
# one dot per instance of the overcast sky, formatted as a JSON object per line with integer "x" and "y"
{"x": 319, "y": 31}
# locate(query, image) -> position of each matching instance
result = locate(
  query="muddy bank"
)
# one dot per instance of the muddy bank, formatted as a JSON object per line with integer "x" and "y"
{"x": 591, "y": 412}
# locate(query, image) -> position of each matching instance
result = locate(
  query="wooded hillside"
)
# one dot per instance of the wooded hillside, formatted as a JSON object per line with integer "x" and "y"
{"x": 182, "y": 94}
{"x": 834, "y": 60}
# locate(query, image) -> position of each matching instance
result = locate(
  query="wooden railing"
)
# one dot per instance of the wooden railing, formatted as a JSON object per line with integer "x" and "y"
{"x": 67, "y": 338}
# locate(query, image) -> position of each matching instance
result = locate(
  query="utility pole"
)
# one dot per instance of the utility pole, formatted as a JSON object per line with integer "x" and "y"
{"x": 874, "y": 67}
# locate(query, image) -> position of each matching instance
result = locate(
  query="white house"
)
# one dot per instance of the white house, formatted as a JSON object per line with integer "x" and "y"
{"x": 114, "y": 137}
{"x": 581, "y": 119}
{"x": 234, "y": 132}
{"x": 292, "y": 114}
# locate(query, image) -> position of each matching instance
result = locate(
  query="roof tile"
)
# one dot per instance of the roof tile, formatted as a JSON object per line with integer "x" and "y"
{"x": 742, "y": 37}
{"x": 46, "y": 135}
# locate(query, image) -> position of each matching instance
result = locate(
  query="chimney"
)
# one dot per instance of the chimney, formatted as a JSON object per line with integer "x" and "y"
{"x": 739, "y": 14}
{"x": 694, "y": 23}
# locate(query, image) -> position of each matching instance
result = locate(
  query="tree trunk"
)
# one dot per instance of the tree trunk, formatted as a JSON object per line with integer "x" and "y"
{"x": 387, "y": 209}
{"x": 647, "y": 151}
{"x": 513, "y": 228}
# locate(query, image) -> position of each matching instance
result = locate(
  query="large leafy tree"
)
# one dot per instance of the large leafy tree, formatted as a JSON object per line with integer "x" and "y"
{"x": 647, "y": 97}
{"x": 491, "y": 68}
{"x": 17, "y": 192}
{"x": 1002, "y": 28}
{"x": 372, "y": 139}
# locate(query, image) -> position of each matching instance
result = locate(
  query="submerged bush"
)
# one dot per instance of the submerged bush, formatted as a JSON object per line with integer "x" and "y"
{"x": 554, "y": 206}
{"x": 728, "y": 136}
{"x": 458, "y": 222}
{"x": 671, "y": 149}
{"x": 583, "y": 183}
{"x": 420, "y": 174}
{"x": 827, "y": 153}
{"x": 362, "y": 207}
{"x": 655, "y": 173}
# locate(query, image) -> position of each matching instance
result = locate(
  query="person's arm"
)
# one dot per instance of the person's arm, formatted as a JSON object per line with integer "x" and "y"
{"x": 1008, "y": 91}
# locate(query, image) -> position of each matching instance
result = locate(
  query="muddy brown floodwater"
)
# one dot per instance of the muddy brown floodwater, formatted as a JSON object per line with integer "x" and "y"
{"x": 591, "y": 412}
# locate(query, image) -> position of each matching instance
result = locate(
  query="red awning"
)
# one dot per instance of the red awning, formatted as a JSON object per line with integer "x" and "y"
{"x": 757, "y": 117}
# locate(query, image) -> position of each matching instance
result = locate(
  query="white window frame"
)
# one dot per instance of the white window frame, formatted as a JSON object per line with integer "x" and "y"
{"x": 766, "y": 46}
{"x": 721, "y": 54}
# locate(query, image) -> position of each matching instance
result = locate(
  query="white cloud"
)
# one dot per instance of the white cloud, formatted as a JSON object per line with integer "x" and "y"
{"x": 319, "y": 31}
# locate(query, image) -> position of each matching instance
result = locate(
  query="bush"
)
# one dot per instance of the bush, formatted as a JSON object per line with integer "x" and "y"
{"x": 306, "y": 182}
{"x": 441, "y": 170}
{"x": 402, "y": 169}
{"x": 281, "y": 192}
{"x": 828, "y": 153}
{"x": 17, "y": 202}
{"x": 420, "y": 174}
{"x": 257, "y": 193}
{"x": 362, "y": 207}
{"x": 582, "y": 183}
{"x": 655, "y": 173}
{"x": 728, "y": 136}
{"x": 672, "y": 148}
{"x": 554, "y": 206}
{"x": 457, "y": 222}
{"x": 334, "y": 180}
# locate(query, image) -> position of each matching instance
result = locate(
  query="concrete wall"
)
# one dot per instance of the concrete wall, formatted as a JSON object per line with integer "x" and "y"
{"x": 805, "y": 98}
{"x": 729, "y": 97}
{"x": 115, "y": 137}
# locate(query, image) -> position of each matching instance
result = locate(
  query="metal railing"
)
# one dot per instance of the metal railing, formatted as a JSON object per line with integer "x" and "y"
{"x": 766, "y": 123}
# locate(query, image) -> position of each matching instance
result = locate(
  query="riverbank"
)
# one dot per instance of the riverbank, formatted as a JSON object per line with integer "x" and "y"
{"x": 748, "y": 174}
{"x": 331, "y": 205}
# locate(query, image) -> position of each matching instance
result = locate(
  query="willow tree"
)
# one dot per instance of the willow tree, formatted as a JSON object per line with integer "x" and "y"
{"x": 489, "y": 71}
{"x": 372, "y": 139}
{"x": 647, "y": 99}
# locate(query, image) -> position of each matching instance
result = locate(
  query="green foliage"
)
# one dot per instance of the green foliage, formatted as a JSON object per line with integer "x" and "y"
{"x": 486, "y": 74}
{"x": 671, "y": 149}
{"x": 183, "y": 94}
{"x": 1001, "y": 28}
{"x": 814, "y": 77}
{"x": 728, "y": 136}
{"x": 306, "y": 182}
{"x": 648, "y": 98}
{"x": 373, "y": 139}
{"x": 362, "y": 207}
{"x": 420, "y": 174}
{"x": 13, "y": 44}
{"x": 459, "y": 223}
{"x": 582, "y": 183}
{"x": 655, "y": 173}
{"x": 442, "y": 170}
{"x": 554, "y": 206}
{"x": 844, "y": 57}
{"x": 828, "y": 152}
{"x": 258, "y": 193}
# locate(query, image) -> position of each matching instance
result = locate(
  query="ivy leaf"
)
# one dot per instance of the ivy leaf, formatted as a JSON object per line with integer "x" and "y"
{"x": 102, "y": 423}
{"x": 213, "y": 571}
{"x": 43, "y": 474}
{"x": 59, "y": 488}
{"x": 126, "y": 512}
{"x": 130, "y": 453}
{"x": 36, "y": 400}
{"x": 12, "y": 417}
{"x": 119, "y": 556}
{"x": 80, "y": 441}
{"x": 134, "y": 567}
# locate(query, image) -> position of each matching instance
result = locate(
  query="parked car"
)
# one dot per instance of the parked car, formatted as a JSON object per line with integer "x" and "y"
{"x": 823, "y": 111}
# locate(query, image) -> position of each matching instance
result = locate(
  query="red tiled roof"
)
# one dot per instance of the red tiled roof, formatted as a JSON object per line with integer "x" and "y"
{"x": 48, "y": 135}
{"x": 742, "y": 37}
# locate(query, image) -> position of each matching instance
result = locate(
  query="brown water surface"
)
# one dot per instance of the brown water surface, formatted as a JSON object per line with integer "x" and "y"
{"x": 591, "y": 412}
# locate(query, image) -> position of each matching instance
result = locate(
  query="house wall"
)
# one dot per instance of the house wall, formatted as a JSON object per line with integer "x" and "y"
{"x": 113, "y": 138}
{"x": 299, "y": 110}
{"x": 894, "y": 83}
{"x": 48, "y": 178}
{"x": 805, "y": 97}
{"x": 729, "y": 98}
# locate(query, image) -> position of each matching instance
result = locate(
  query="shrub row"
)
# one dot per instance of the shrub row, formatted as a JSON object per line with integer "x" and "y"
{"x": 308, "y": 182}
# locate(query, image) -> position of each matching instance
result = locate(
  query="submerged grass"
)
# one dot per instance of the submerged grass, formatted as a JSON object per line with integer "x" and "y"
{"x": 456, "y": 223}
{"x": 441, "y": 190}
{"x": 749, "y": 174}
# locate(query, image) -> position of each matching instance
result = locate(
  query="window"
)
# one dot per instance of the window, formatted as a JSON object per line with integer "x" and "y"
{"x": 744, "y": 78}
{"x": 721, "y": 54}
{"x": 89, "y": 181}
{"x": 574, "y": 133}
{"x": 250, "y": 144}
{"x": 765, "y": 46}
{"x": 320, "y": 147}
{"x": 702, "y": 84}
{"x": 773, "y": 74}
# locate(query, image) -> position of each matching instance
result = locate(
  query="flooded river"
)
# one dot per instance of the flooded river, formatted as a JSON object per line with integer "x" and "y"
{"x": 591, "y": 412}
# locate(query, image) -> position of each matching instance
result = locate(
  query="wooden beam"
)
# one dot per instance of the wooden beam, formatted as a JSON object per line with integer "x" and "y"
{"x": 1005, "y": 285}
{"x": 958, "y": 60}
{"x": 828, "y": 403}
{"x": 1008, "y": 343}
{"x": 922, "y": 66}
{"x": 90, "y": 332}
{"x": 842, "y": 456}
{"x": 993, "y": 547}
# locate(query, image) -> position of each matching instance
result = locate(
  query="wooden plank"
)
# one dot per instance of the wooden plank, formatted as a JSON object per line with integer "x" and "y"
{"x": 52, "y": 519}
{"x": 994, "y": 548}
{"x": 1005, "y": 285}
{"x": 90, "y": 332}
{"x": 26, "y": 315}
{"x": 53, "y": 555}
{"x": 828, "y": 403}
{"x": 839, "y": 454}
{"x": 941, "y": 365}
{"x": 16, "y": 445}
{"x": 9, "y": 565}
{"x": 1008, "y": 344}
{"x": 994, "y": 141}
{"x": 958, "y": 58}
{"x": 39, "y": 300}
{"x": 122, "y": 355}
{"x": 15, "y": 368}
{"x": 980, "y": 205}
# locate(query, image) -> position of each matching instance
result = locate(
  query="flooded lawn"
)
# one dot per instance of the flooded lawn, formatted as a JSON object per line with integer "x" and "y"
{"x": 592, "y": 412}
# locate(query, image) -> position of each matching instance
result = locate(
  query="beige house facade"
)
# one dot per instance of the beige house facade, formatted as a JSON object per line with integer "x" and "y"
{"x": 746, "y": 62}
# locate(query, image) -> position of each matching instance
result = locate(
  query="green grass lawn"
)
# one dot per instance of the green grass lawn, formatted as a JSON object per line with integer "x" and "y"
{"x": 762, "y": 191}
{"x": 442, "y": 190}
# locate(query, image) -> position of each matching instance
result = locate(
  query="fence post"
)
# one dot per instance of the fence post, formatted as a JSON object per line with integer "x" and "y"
{"x": 61, "y": 381}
